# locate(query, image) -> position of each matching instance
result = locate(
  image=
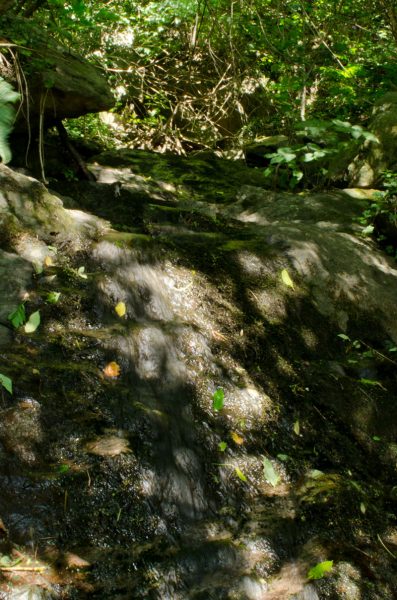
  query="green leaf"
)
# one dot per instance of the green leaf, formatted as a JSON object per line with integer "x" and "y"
{"x": 283, "y": 457}
{"x": 371, "y": 382}
{"x": 367, "y": 135}
{"x": 297, "y": 427}
{"x": 33, "y": 322}
{"x": 81, "y": 273}
{"x": 63, "y": 468}
{"x": 6, "y": 382}
{"x": 287, "y": 279}
{"x": 240, "y": 474}
{"x": 222, "y": 446}
{"x": 53, "y": 297}
{"x": 269, "y": 473}
{"x": 368, "y": 230}
{"x": 344, "y": 337}
{"x": 218, "y": 399}
{"x": 18, "y": 317}
{"x": 320, "y": 569}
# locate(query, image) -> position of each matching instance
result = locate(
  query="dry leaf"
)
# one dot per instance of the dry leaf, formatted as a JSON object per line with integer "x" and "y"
{"x": 237, "y": 438}
{"x": 112, "y": 369}
{"x": 120, "y": 309}
{"x": 48, "y": 261}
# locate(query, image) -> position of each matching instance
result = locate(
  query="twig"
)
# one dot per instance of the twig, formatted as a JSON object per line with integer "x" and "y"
{"x": 387, "y": 549}
{"x": 17, "y": 568}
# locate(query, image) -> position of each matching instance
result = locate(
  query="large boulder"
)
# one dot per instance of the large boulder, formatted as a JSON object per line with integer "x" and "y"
{"x": 367, "y": 167}
{"x": 60, "y": 83}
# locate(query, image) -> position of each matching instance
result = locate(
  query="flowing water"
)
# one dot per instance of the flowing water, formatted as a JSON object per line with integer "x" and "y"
{"x": 127, "y": 483}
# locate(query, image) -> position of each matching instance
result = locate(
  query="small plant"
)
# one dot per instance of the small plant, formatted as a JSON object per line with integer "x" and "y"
{"x": 327, "y": 139}
{"x": 380, "y": 218}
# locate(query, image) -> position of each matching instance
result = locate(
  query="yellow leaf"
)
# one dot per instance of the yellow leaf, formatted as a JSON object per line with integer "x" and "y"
{"x": 48, "y": 261}
{"x": 287, "y": 279}
{"x": 120, "y": 309}
{"x": 297, "y": 427}
{"x": 112, "y": 369}
{"x": 237, "y": 438}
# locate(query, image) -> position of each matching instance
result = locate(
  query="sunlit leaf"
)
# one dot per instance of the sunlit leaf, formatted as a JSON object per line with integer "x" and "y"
{"x": 286, "y": 278}
{"x": 48, "y": 261}
{"x": 283, "y": 457}
{"x": 297, "y": 427}
{"x": 112, "y": 369}
{"x": 120, "y": 309}
{"x": 372, "y": 382}
{"x": 6, "y": 382}
{"x": 240, "y": 474}
{"x": 344, "y": 337}
{"x": 218, "y": 399}
{"x": 269, "y": 473}
{"x": 53, "y": 297}
{"x": 368, "y": 230}
{"x": 33, "y": 322}
{"x": 320, "y": 569}
{"x": 222, "y": 446}
{"x": 81, "y": 272}
{"x": 237, "y": 438}
{"x": 18, "y": 316}
{"x": 363, "y": 508}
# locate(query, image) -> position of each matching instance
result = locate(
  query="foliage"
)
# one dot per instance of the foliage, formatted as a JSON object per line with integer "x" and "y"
{"x": 328, "y": 139}
{"x": 380, "y": 217}
{"x": 193, "y": 74}
{"x": 8, "y": 96}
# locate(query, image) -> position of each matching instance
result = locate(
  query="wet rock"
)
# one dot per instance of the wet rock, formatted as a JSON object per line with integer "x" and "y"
{"x": 66, "y": 84}
{"x": 26, "y": 592}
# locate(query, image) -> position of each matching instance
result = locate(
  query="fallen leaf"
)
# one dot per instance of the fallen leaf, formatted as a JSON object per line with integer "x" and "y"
{"x": 53, "y": 297}
{"x": 120, "y": 309}
{"x": 48, "y": 261}
{"x": 320, "y": 569}
{"x": 218, "y": 399}
{"x": 237, "y": 438}
{"x": 240, "y": 474}
{"x": 33, "y": 322}
{"x": 285, "y": 276}
{"x": 112, "y": 369}
{"x": 269, "y": 472}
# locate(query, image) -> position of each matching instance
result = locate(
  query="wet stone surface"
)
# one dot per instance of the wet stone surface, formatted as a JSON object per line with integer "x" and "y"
{"x": 120, "y": 477}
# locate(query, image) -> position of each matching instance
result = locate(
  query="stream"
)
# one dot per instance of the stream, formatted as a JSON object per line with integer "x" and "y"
{"x": 120, "y": 476}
